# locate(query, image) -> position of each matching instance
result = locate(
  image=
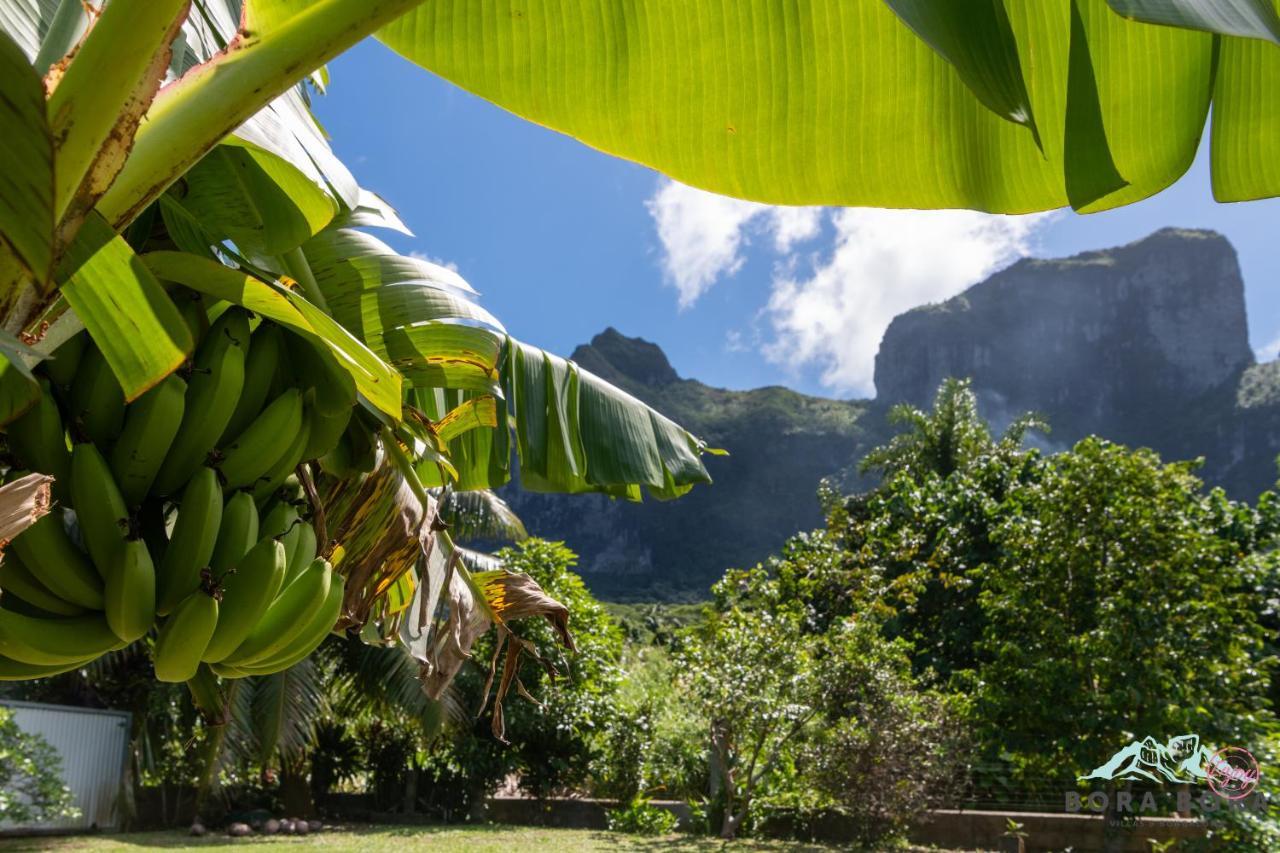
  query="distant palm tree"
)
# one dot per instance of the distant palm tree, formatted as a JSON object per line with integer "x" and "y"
{"x": 948, "y": 438}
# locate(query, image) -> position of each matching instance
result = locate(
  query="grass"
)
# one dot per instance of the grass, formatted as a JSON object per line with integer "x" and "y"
{"x": 395, "y": 839}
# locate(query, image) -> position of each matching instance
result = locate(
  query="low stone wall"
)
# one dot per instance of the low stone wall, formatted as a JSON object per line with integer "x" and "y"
{"x": 972, "y": 830}
{"x": 1049, "y": 831}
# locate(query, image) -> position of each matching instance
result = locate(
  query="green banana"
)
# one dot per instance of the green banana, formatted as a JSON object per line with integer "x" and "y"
{"x": 184, "y": 637}
{"x": 284, "y": 466}
{"x": 97, "y": 400}
{"x": 14, "y": 670}
{"x": 17, "y": 581}
{"x": 48, "y": 552}
{"x": 266, "y": 353}
{"x": 131, "y": 592}
{"x": 237, "y": 534}
{"x": 191, "y": 544}
{"x": 303, "y": 551}
{"x": 225, "y": 671}
{"x": 286, "y": 618}
{"x": 247, "y": 592}
{"x": 263, "y": 442}
{"x": 192, "y": 308}
{"x": 56, "y": 640}
{"x": 150, "y": 426}
{"x": 100, "y": 508}
{"x": 217, "y": 381}
{"x": 318, "y": 626}
{"x": 326, "y": 432}
{"x": 62, "y": 363}
{"x": 281, "y": 522}
{"x": 40, "y": 442}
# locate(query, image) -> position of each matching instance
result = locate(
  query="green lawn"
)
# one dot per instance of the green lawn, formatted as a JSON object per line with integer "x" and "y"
{"x": 394, "y": 839}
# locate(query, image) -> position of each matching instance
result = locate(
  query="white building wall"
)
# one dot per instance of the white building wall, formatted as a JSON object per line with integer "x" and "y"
{"x": 93, "y": 745}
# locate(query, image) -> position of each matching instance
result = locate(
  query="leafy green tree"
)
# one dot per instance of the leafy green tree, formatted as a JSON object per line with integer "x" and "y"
{"x": 886, "y": 750}
{"x": 751, "y": 672}
{"x": 920, "y": 542}
{"x": 1126, "y": 602}
{"x": 553, "y": 733}
{"x": 31, "y": 787}
{"x": 809, "y": 705}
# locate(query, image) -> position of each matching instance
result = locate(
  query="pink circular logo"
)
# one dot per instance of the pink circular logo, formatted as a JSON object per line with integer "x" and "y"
{"x": 1232, "y": 773}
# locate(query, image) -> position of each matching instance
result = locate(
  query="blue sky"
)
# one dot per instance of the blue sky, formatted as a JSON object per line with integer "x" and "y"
{"x": 563, "y": 241}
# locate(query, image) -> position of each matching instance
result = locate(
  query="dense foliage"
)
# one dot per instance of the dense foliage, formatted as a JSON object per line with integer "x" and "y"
{"x": 31, "y": 786}
{"x": 553, "y": 734}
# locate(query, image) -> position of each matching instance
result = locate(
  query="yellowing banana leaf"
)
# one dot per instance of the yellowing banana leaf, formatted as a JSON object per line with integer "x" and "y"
{"x": 468, "y": 415}
{"x": 102, "y": 95}
{"x": 575, "y": 432}
{"x": 417, "y": 315}
{"x": 26, "y": 164}
{"x": 126, "y": 310}
{"x": 481, "y": 457}
{"x": 832, "y": 101}
{"x": 377, "y": 381}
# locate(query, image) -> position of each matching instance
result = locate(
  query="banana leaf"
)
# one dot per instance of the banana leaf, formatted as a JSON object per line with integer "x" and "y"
{"x": 840, "y": 101}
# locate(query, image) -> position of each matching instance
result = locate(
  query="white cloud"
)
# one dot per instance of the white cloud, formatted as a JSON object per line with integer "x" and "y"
{"x": 1269, "y": 350}
{"x": 883, "y": 262}
{"x": 703, "y": 234}
{"x": 423, "y": 256}
{"x": 792, "y": 225}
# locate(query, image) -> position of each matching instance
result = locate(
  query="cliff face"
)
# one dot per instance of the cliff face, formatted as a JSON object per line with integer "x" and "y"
{"x": 1107, "y": 341}
{"x": 1145, "y": 344}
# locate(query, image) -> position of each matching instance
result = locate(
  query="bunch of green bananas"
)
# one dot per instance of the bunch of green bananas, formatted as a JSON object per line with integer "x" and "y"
{"x": 179, "y": 512}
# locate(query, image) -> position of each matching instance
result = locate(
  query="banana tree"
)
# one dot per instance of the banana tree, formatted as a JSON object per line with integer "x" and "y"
{"x": 154, "y": 143}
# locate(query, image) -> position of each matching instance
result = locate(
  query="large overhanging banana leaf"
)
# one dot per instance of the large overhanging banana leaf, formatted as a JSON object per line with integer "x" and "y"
{"x": 840, "y": 102}
{"x": 574, "y": 432}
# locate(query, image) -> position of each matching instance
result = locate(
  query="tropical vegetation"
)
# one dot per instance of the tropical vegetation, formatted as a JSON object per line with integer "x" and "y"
{"x": 170, "y": 211}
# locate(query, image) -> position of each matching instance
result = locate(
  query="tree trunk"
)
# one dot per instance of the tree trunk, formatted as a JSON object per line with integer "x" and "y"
{"x": 295, "y": 790}
{"x": 729, "y": 828}
{"x": 411, "y": 791}
{"x": 209, "y": 768}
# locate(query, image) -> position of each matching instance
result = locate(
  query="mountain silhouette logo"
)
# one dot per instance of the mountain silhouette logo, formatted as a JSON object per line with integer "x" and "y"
{"x": 1181, "y": 759}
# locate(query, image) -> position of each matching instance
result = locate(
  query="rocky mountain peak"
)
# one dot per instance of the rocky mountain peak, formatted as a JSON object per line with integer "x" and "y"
{"x": 612, "y": 355}
{"x": 1119, "y": 337}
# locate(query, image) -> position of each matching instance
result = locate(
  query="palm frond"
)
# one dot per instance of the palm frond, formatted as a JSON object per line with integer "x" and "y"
{"x": 481, "y": 514}
{"x": 285, "y": 708}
